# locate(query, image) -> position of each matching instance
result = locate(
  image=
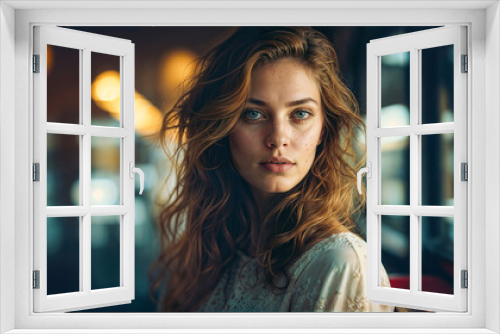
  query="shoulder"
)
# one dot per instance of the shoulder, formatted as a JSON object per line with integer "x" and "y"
{"x": 335, "y": 253}
{"x": 332, "y": 277}
{"x": 346, "y": 246}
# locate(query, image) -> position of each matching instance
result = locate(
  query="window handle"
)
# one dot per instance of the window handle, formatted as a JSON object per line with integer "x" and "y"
{"x": 368, "y": 171}
{"x": 138, "y": 171}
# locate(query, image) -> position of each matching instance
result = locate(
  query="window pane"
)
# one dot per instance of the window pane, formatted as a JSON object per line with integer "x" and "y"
{"x": 437, "y": 84}
{"x": 105, "y": 171}
{"x": 63, "y": 255}
{"x": 105, "y": 233}
{"x": 63, "y": 170}
{"x": 395, "y": 94}
{"x": 437, "y": 254}
{"x": 395, "y": 170}
{"x": 63, "y": 85}
{"x": 437, "y": 169}
{"x": 105, "y": 78}
{"x": 395, "y": 240}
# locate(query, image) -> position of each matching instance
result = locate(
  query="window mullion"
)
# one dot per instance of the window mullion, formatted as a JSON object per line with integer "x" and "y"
{"x": 81, "y": 195}
{"x": 434, "y": 129}
{"x": 67, "y": 129}
{"x": 85, "y": 161}
{"x": 415, "y": 262}
{"x": 419, "y": 129}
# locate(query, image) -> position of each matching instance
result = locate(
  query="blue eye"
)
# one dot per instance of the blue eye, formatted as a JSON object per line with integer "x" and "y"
{"x": 302, "y": 114}
{"x": 252, "y": 114}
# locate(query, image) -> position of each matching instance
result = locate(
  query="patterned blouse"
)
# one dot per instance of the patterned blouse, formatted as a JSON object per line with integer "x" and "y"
{"x": 329, "y": 277}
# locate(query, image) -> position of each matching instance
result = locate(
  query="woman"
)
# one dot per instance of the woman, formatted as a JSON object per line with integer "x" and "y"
{"x": 261, "y": 217}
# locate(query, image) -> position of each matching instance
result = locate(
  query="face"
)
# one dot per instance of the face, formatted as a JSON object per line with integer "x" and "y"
{"x": 274, "y": 143}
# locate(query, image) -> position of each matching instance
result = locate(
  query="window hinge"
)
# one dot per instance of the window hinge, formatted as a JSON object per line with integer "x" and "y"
{"x": 465, "y": 171}
{"x": 465, "y": 279}
{"x": 465, "y": 64}
{"x": 36, "y": 63}
{"x": 36, "y": 172}
{"x": 36, "y": 279}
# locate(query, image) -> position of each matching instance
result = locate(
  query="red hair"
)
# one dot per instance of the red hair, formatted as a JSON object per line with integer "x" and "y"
{"x": 211, "y": 213}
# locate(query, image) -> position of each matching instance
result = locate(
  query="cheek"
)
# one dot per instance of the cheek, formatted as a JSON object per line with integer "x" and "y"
{"x": 240, "y": 142}
{"x": 310, "y": 141}
{"x": 308, "y": 144}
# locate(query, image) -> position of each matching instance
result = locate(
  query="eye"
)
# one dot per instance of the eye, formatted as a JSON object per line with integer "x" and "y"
{"x": 252, "y": 114}
{"x": 302, "y": 115}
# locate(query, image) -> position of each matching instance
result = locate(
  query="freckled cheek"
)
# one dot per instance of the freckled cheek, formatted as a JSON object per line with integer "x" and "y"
{"x": 308, "y": 142}
{"x": 307, "y": 146}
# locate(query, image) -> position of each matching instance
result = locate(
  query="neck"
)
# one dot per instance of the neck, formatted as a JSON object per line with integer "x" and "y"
{"x": 263, "y": 200}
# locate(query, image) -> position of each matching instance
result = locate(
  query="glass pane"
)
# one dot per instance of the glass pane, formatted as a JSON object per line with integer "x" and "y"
{"x": 395, "y": 240}
{"x": 63, "y": 85}
{"x": 105, "y": 78}
{"x": 105, "y": 262}
{"x": 437, "y": 254}
{"x": 395, "y": 94}
{"x": 437, "y": 169}
{"x": 63, "y": 170}
{"x": 105, "y": 171}
{"x": 437, "y": 84}
{"x": 395, "y": 170}
{"x": 63, "y": 255}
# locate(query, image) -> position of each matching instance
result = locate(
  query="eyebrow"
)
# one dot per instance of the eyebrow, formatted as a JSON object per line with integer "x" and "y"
{"x": 288, "y": 104}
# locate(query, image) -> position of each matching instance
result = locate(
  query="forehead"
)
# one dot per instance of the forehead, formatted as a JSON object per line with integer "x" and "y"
{"x": 288, "y": 64}
{"x": 287, "y": 75}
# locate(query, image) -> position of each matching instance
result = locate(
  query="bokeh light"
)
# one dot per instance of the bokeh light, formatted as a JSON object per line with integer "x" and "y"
{"x": 106, "y": 94}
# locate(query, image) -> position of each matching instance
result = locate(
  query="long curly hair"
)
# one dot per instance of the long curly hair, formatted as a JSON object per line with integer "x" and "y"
{"x": 210, "y": 214}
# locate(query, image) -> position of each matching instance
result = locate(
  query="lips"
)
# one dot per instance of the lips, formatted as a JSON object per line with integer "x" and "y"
{"x": 277, "y": 164}
{"x": 277, "y": 160}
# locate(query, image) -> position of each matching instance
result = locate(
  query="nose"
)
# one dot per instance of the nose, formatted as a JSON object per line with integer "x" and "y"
{"x": 278, "y": 135}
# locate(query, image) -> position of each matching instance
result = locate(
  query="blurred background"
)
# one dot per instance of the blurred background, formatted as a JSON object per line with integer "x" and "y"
{"x": 164, "y": 58}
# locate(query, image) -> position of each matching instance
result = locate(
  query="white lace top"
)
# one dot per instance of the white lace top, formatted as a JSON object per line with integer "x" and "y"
{"x": 329, "y": 277}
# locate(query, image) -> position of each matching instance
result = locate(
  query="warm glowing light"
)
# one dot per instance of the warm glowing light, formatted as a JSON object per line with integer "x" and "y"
{"x": 98, "y": 194}
{"x": 395, "y": 115}
{"x": 106, "y": 86}
{"x": 105, "y": 189}
{"x": 394, "y": 143}
{"x": 106, "y": 95}
{"x": 176, "y": 67}
{"x": 113, "y": 107}
{"x": 148, "y": 118}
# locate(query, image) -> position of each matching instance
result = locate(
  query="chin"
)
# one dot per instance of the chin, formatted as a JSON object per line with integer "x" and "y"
{"x": 278, "y": 189}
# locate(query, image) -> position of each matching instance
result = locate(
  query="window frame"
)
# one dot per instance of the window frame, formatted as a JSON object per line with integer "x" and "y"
{"x": 483, "y": 102}
{"x": 86, "y": 44}
{"x": 415, "y": 44}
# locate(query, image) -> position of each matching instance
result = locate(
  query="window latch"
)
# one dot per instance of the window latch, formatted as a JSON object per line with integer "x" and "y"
{"x": 133, "y": 170}
{"x": 368, "y": 171}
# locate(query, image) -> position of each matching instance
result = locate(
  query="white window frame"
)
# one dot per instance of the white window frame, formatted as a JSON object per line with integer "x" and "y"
{"x": 16, "y": 21}
{"x": 415, "y": 43}
{"x": 123, "y": 51}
